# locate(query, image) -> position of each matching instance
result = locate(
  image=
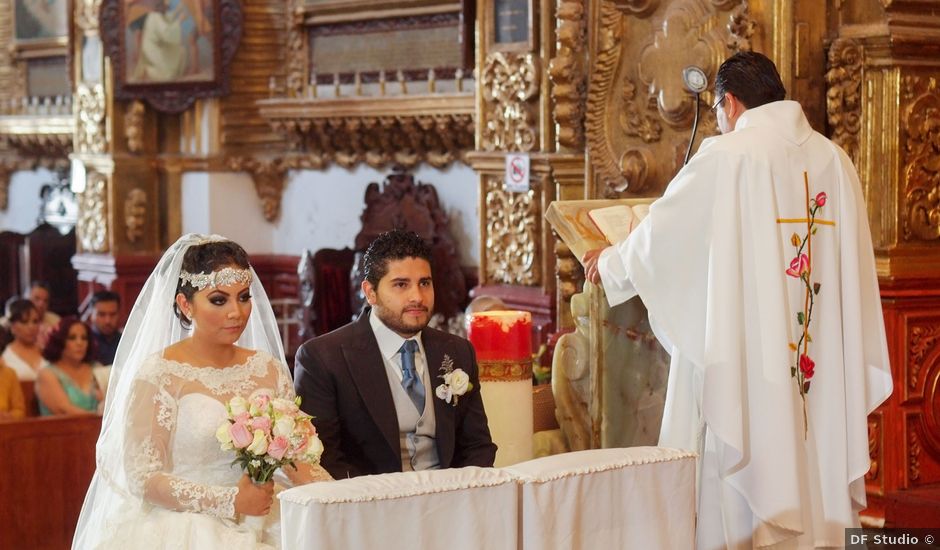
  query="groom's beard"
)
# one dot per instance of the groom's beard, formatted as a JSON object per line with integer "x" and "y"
{"x": 407, "y": 322}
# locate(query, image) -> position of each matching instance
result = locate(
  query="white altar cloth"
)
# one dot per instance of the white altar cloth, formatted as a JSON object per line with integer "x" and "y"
{"x": 454, "y": 509}
{"x": 634, "y": 498}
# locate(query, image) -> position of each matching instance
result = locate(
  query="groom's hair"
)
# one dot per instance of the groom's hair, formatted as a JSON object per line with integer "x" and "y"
{"x": 206, "y": 258}
{"x": 392, "y": 245}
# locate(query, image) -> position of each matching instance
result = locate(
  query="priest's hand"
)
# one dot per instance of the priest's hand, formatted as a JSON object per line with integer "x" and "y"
{"x": 589, "y": 261}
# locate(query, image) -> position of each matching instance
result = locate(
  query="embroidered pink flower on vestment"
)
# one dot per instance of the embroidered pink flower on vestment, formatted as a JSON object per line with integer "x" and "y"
{"x": 821, "y": 198}
{"x": 798, "y": 266}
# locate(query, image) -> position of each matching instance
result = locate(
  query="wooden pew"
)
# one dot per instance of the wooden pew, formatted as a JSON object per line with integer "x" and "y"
{"x": 29, "y": 398}
{"x": 47, "y": 467}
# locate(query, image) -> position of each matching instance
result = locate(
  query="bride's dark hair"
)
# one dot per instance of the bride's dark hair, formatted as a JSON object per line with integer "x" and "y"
{"x": 206, "y": 258}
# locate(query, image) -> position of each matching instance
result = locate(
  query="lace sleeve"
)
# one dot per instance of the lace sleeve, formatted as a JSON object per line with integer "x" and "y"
{"x": 285, "y": 385}
{"x": 148, "y": 458}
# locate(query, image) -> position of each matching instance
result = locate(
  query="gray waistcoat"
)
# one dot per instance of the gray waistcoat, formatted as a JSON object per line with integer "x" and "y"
{"x": 415, "y": 433}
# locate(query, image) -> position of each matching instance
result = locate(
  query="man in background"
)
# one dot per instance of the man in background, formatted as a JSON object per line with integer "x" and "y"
{"x": 105, "y": 321}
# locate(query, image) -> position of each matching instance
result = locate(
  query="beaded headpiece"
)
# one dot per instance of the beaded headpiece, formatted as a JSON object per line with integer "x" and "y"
{"x": 223, "y": 277}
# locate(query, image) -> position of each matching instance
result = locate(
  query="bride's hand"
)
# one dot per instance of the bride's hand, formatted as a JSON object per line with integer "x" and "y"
{"x": 252, "y": 499}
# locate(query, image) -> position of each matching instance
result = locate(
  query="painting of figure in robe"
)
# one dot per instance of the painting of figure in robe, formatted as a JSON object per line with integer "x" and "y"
{"x": 169, "y": 41}
{"x": 40, "y": 20}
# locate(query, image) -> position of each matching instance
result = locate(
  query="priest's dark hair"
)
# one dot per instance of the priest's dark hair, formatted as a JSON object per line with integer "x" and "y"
{"x": 752, "y": 78}
{"x": 392, "y": 245}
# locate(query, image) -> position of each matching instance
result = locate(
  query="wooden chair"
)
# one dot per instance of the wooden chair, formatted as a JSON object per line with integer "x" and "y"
{"x": 47, "y": 467}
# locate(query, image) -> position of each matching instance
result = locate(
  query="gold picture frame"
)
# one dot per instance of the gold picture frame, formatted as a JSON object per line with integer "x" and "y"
{"x": 40, "y": 27}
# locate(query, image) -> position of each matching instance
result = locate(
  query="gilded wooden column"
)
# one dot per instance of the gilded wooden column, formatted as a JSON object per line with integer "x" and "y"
{"x": 119, "y": 227}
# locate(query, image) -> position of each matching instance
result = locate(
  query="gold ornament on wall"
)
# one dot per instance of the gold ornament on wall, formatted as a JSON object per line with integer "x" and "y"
{"x": 134, "y": 126}
{"x": 512, "y": 236}
{"x": 510, "y": 82}
{"x": 844, "y": 96}
{"x": 135, "y": 214}
{"x": 569, "y": 80}
{"x": 921, "y": 157}
{"x": 92, "y": 226}
{"x": 91, "y": 136}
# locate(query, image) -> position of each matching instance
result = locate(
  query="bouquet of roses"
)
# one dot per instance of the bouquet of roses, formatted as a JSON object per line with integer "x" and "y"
{"x": 267, "y": 433}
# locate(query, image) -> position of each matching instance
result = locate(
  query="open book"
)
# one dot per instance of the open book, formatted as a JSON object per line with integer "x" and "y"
{"x": 616, "y": 222}
{"x": 587, "y": 224}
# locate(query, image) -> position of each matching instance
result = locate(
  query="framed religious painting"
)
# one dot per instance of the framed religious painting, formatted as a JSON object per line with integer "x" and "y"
{"x": 170, "y": 52}
{"x": 40, "y": 27}
{"x": 509, "y": 25}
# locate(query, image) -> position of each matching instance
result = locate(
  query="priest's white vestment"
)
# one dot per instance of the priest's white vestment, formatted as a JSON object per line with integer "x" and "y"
{"x": 718, "y": 265}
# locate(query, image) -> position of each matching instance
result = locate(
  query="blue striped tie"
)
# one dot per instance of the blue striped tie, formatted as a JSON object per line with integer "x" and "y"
{"x": 409, "y": 379}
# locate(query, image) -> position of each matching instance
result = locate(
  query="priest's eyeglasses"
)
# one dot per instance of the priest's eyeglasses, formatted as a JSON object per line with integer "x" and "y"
{"x": 718, "y": 103}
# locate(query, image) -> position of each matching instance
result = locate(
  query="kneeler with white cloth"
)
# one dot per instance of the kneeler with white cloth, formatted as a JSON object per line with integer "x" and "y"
{"x": 757, "y": 269}
{"x": 641, "y": 497}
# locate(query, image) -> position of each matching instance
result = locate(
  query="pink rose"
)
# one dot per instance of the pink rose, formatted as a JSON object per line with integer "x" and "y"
{"x": 241, "y": 435}
{"x": 278, "y": 447}
{"x": 821, "y": 199}
{"x": 242, "y": 417}
{"x": 799, "y": 266}
{"x": 807, "y": 366}
{"x": 261, "y": 423}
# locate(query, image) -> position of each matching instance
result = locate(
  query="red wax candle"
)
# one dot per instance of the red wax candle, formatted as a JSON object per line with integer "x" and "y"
{"x": 501, "y": 335}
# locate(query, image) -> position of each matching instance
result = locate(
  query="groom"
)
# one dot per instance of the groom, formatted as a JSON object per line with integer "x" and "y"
{"x": 370, "y": 385}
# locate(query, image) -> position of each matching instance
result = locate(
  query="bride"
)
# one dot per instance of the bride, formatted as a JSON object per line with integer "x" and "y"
{"x": 162, "y": 480}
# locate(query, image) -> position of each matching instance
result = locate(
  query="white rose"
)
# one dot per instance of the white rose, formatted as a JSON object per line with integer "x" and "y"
{"x": 224, "y": 437}
{"x": 237, "y": 405}
{"x": 313, "y": 451}
{"x": 284, "y": 426}
{"x": 459, "y": 382}
{"x": 259, "y": 445}
{"x": 443, "y": 392}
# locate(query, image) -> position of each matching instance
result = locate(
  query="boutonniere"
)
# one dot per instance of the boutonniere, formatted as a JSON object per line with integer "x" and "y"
{"x": 456, "y": 382}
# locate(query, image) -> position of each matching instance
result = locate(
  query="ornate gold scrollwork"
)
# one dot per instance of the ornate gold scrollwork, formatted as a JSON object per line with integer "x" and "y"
{"x": 134, "y": 126}
{"x": 509, "y": 81}
{"x": 387, "y": 131}
{"x": 923, "y": 339}
{"x": 638, "y": 8}
{"x": 843, "y": 98}
{"x": 268, "y": 176}
{"x": 91, "y": 136}
{"x": 512, "y": 236}
{"x": 93, "y": 214}
{"x": 680, "y": 41}
{"x": 921, "y": 158}
{"x": 566, "y": 71}
{"x": 741, "y": 27}
{"x": 913, "y": 453}
{"x": 135, "y": 214}
{"x": 296, "y": 38}
{"x": 633, "y": 121}
{"x": 874, "y": 448}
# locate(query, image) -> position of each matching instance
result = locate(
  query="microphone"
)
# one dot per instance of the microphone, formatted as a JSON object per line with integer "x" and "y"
{"x": 696, "y": 82}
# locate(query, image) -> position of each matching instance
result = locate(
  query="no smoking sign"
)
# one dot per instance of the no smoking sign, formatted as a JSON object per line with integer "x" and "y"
{"x": 517, "y": 173}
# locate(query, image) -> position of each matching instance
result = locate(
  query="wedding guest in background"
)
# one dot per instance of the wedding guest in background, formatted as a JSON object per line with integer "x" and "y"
{"x": 12, "y": 403}
{"x": 39, "y": 295}
{"x": 23, "y": 354}
{"x": 68, "y": 385}
{"x": 105, "y": 319}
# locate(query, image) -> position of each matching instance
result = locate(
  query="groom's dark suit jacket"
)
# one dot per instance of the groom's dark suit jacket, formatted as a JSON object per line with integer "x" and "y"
{"x": 342, "y": 382}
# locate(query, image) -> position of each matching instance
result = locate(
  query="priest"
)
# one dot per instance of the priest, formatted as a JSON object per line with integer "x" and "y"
{"x": 758, "y": 272}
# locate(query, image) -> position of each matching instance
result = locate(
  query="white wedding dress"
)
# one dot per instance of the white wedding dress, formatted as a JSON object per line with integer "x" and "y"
{"x": 186, "y": 482}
